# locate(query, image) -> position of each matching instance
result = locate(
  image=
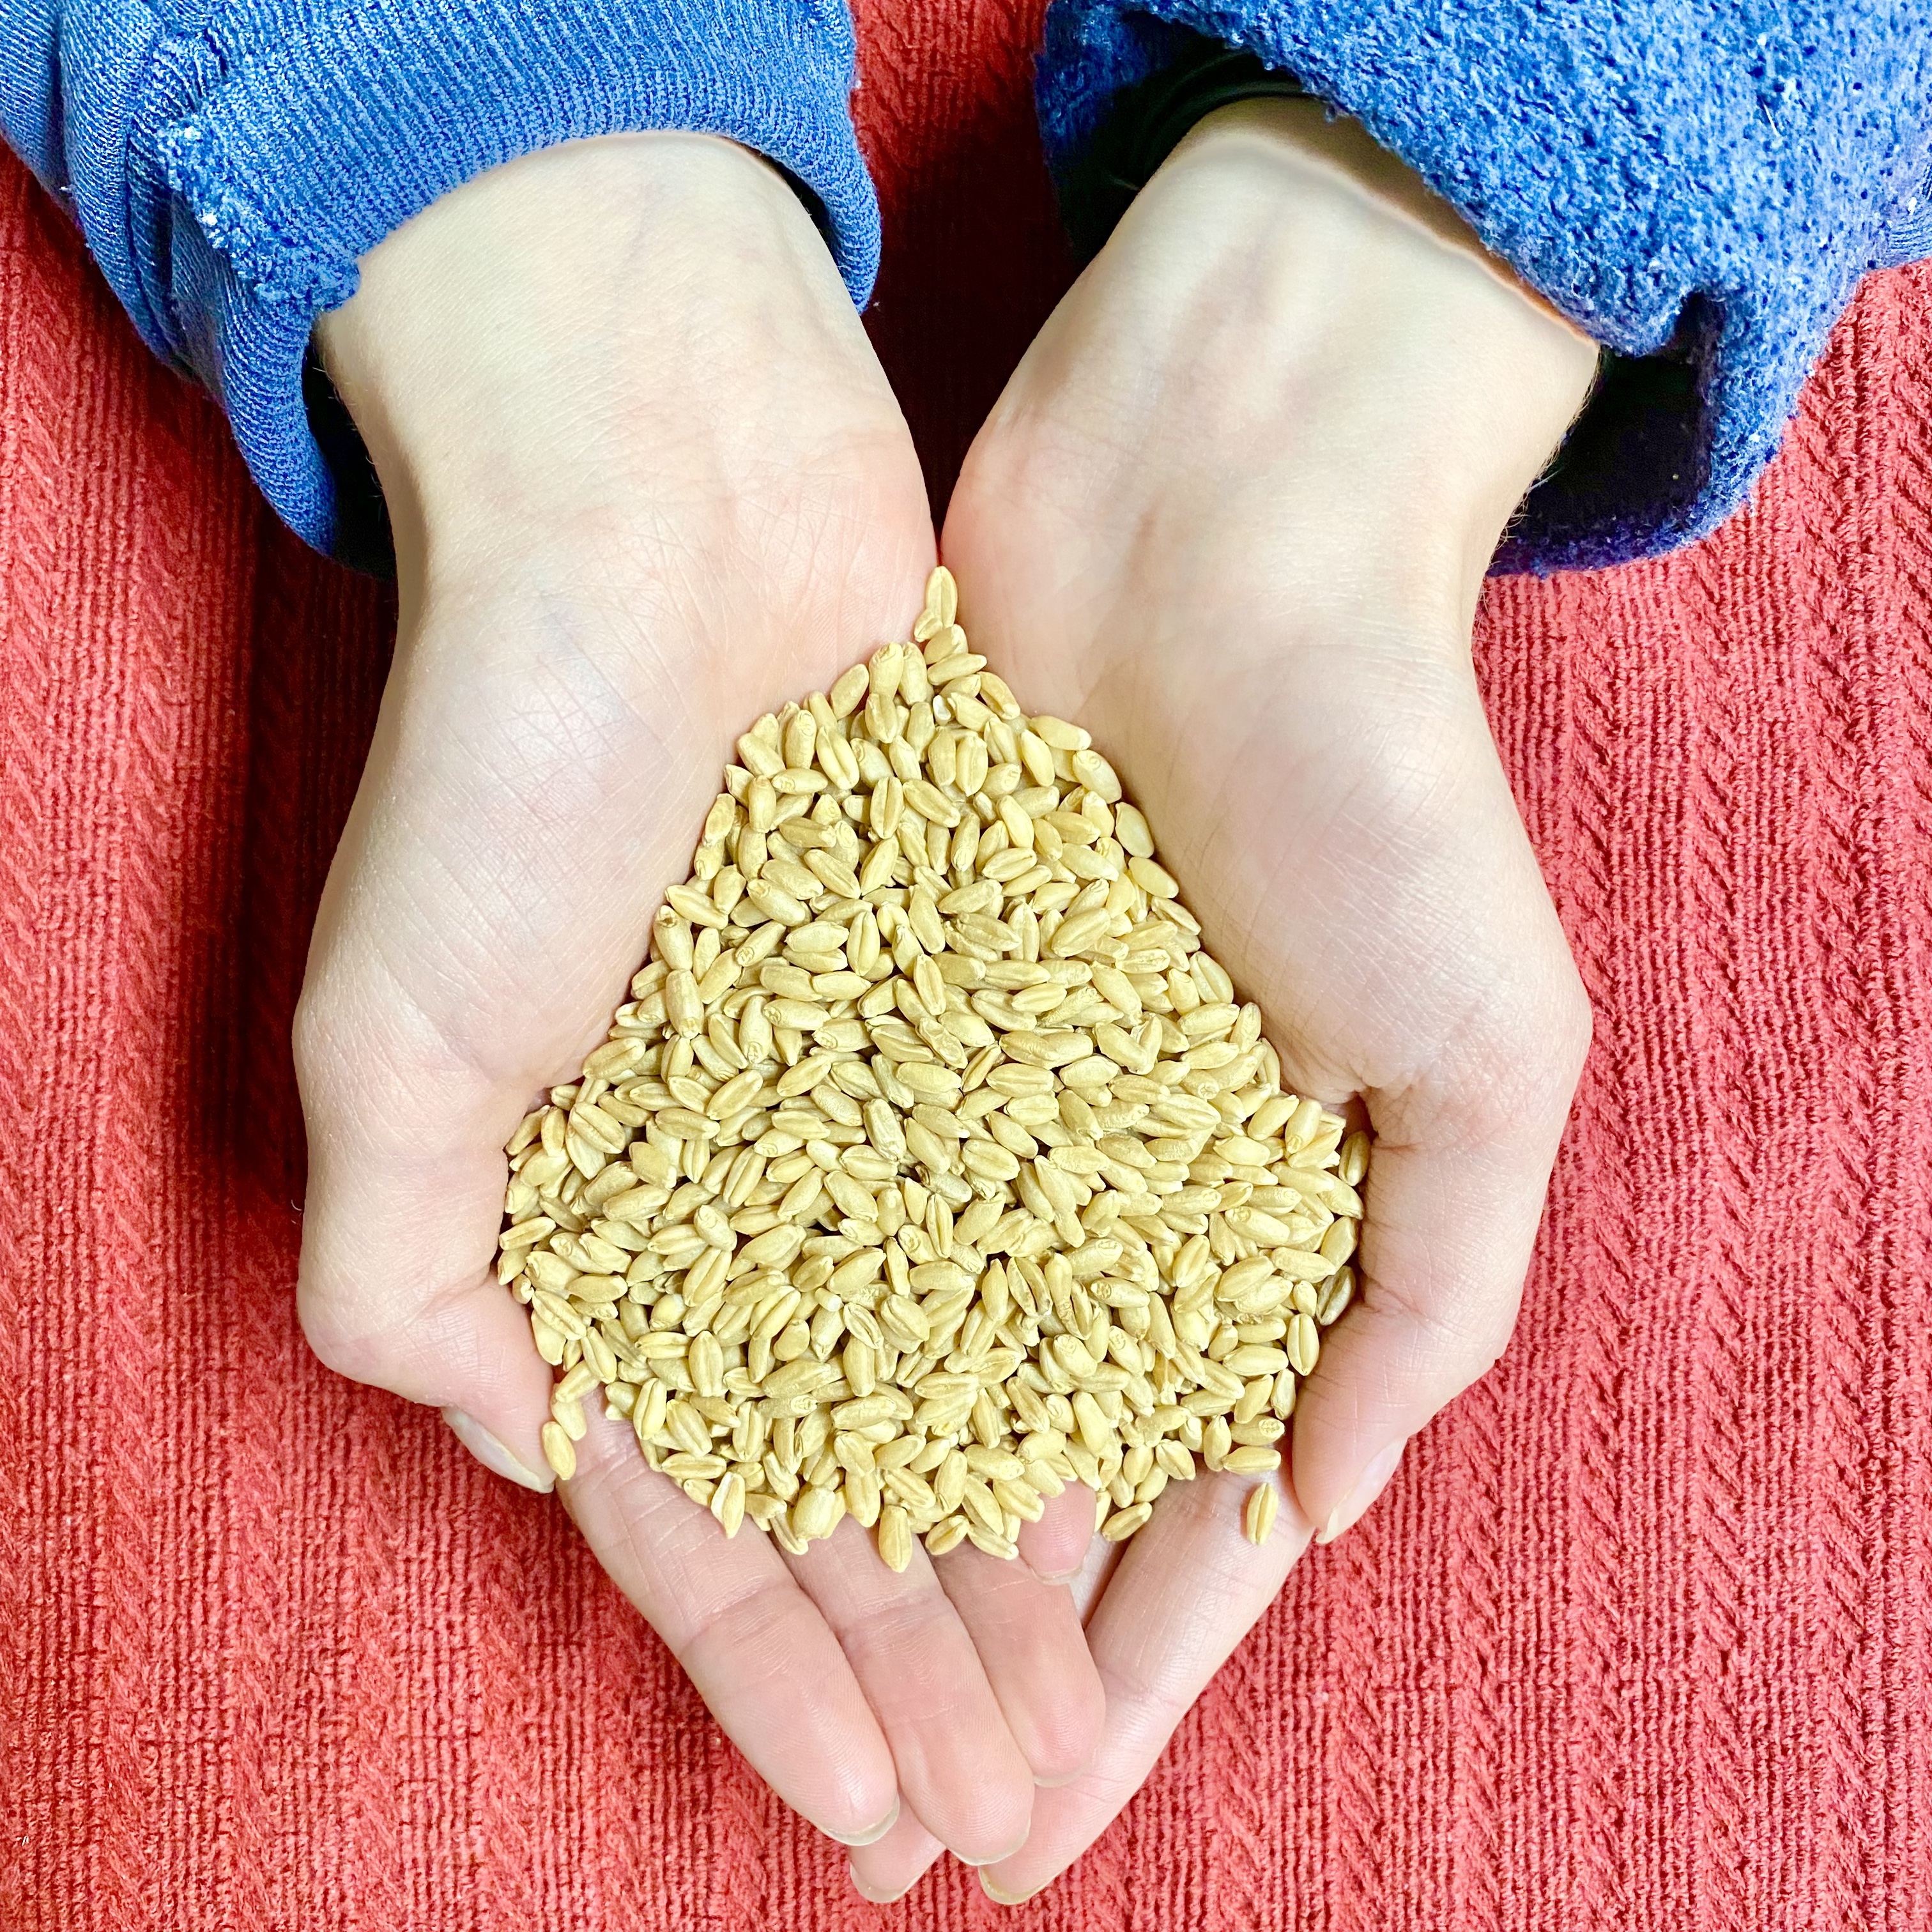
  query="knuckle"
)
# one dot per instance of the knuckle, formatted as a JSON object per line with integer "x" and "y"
{"x": 1065, "y": 1731}
{"x": 321, "y": 1023}
{"x": 1473, "y": 1328}
{"x": 899, "y": 1635}
{"x": 1572, "y": 1025}
{"x": 332, "y": 1342}
{"x": 1437, "y": 1330}
{"x": 309, "y": 1032}
{"x": 746, "y": 1626}
{"x": 363, "y": 1331}
{"x": 990, "y": 1823}
{"x": 1517, "y": 1058}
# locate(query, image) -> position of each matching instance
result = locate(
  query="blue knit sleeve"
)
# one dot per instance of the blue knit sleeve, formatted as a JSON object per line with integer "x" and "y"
{"x": 229, "y": 162}
{"x": 1699, "y": 184}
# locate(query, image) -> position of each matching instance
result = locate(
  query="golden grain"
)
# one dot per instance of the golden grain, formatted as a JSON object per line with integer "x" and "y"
{"x": 894, "y": 1537}
{"x": 1257, "y": 1513}
{"x": 727, "y": 1502}
{"x": 560, "y": 1452}
{"x": 946, "y": 1535}
{"x": 933, "y": 1165}
{"x": 1304, "y": 1344}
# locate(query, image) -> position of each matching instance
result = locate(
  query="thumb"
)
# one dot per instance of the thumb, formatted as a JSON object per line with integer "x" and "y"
{"x": 397, "y": 1286}
{"x": 1452, "y": 1200}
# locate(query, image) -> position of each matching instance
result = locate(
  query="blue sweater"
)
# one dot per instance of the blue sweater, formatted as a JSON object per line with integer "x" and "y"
{"x": 1698, "y": 183}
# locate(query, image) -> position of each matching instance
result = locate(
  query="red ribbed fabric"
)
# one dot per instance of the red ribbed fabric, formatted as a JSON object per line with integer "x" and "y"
{"x": 1639, "y": 1640}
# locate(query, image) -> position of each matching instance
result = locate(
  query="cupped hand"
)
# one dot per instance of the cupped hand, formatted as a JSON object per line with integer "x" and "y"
{"x": 1233, "y": 513}
{"x": 647, "y": 479}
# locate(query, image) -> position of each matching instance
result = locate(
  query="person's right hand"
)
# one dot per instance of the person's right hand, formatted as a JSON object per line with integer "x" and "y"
{"x": 647, "y": 480}
{"x": 1232, "y": 514}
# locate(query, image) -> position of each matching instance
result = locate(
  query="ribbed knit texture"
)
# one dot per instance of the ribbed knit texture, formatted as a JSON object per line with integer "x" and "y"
{"x": 1699, "y": 184}
{"x": 1641, "y": 1638}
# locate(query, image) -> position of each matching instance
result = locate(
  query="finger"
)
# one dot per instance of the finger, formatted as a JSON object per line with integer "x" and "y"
{"x": 1188, "y": 1587}
{"x": 1054, "y": 1547}
{"x": 750, "y": 1639}
{"x": 1034, "y": 1653}
{"x": 889, "y": 1869}
{"x": 959, "y": 1768}
{"x": 1453, "y": 1199}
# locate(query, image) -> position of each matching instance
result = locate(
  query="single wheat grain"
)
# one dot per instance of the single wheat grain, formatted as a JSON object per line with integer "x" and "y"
{"x": 559, "y": 1451}
{"x": 1257, "y": 1513}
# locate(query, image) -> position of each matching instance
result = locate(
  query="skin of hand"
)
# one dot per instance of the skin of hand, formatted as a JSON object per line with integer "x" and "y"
{"x": 1233, "y": 513}
{"x": 647, "y": 479}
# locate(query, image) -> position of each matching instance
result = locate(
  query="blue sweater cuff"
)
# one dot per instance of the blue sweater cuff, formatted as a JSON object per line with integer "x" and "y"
{"x": 1700, "y": 186}
{"x": 249, "y": 169}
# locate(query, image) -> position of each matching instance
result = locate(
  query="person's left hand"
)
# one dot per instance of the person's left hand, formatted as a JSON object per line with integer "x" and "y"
{"x": 1233, "y": 513}
{"x": 646, "y": 477}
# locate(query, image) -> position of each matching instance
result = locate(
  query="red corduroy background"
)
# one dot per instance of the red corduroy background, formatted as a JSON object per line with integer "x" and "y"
{"x": 1640, "y": 1637}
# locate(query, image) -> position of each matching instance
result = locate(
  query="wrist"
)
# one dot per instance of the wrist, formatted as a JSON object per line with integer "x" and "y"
{"x": 528, "y": 344}
{"x": 1434, "y": 385}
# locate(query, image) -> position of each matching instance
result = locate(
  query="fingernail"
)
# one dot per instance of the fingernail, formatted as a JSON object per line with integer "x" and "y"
{"x": 1057, "y": 1576}
{"x": 865, "y": 1892}
{"x": 872, "y": 1836}
{"x": 1374, "y": 1480}
{"x": 492, "y": 1455}
{"x": 1000, "y": 1897}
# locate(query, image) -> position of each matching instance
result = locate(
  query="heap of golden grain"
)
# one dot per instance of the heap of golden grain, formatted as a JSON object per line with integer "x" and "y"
{"x": 932, "y": 1165}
